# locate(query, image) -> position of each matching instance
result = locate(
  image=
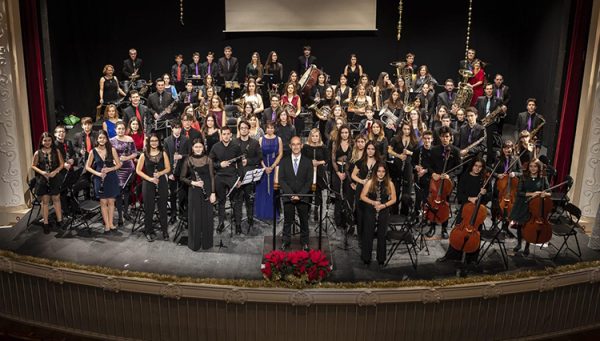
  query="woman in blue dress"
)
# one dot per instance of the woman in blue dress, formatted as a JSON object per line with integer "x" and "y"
{"x": 111, "y": 117}
{"x": 272, "y": 150}
{"x": 103, "y": 163}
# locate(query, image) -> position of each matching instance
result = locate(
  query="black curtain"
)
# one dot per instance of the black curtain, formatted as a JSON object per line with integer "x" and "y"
{"x": 523, "y": 40}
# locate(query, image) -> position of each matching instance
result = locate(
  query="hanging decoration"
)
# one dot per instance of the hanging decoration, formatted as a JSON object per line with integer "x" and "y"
{"x": 468, "y": 28}
{"x": 181, "y": 12}
{"x": 399, "y": 20}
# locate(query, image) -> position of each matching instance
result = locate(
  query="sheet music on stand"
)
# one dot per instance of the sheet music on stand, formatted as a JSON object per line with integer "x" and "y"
{"x": 253, "y": 175}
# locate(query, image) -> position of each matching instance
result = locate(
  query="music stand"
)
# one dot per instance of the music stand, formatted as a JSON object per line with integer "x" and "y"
{"x": 308, "y": 203}
{"x": 252, "y": 176}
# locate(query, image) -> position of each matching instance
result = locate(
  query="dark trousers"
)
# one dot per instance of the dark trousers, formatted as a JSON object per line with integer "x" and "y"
{"x": 369, "y": 231}
{"x": 177, "y": 196}
{"x": 223, "y": 183}
{"x": 289, "y": 212}
{"x": 341, "y": 203}
{"x": 247, "y": 197}
{"x": 123, "y": 201}
{"x": 149, "y": 194}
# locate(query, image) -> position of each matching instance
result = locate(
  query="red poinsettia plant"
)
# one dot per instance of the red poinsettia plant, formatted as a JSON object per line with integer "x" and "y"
{"x": 296, "y": 266}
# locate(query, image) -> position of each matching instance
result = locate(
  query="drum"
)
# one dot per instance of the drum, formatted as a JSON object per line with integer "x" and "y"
{"x": 140, "y": 84}
{"x": 309, "y": 79}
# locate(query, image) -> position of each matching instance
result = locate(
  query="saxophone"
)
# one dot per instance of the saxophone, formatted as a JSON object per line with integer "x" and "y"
{"x": 537, "y": 129}
{"x": 489, "y": 119}
{"x": 474, "y": 144}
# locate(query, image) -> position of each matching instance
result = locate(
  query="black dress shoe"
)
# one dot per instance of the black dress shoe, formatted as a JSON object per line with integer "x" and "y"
{"x": 149, "y": 237}
{"x": 165, "y": 235}
{"x": 367, "y": 262}
{"x": 305, "y": 247}
{"x": 444, "y": 233}
{"x": 120, "y": 223}
{"x": 220, "y": 227}
{"x": 106, "y": 232}
{"x": 431, "y": 232}
{"x": 441, "y": 259}
{"x": 238, "y": 229}
{"x": 285, "y": 246}
{"x": 172, "y": 220}
{"x": 46, "y": 228}
{"x": 381, "y": 264}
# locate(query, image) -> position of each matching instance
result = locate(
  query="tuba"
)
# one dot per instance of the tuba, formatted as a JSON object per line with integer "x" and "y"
{"x": 464, "y": 92}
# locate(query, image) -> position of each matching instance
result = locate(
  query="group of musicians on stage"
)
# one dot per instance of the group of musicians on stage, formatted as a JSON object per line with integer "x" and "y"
{"x": 370, "y": 147}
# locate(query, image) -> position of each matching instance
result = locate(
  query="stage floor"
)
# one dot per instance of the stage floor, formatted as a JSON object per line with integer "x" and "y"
{"x": 243, "y": 255}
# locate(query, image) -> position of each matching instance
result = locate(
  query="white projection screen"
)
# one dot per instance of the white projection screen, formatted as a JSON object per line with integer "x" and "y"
{"x": 299, "y": 15}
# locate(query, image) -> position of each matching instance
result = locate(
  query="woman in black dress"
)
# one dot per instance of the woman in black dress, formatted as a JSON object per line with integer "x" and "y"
{"x": 532, "y": 184}
{"x": 401, "y": 149}
{"x": 353, "y": 71}
{"x": 47, "y": 163}
{"x": 211, "y": 133}
{"x": 153, "y": 166}
{"x": 362, "y": 172}
{"x": 109, "y": 86}
{"x": 341, "y": 152}
{"x": 199, "y": 175}
{"x": 378, "y": 195}
{"x": 103, "y": 163}
{"x": 315, "y": 150}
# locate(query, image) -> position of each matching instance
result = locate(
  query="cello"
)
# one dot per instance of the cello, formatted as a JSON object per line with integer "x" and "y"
{"x": 507, "y": 191}
{"x": 438, "y": 209}
{"x": 537, "y": 229}
{"x": 465, "y": 237}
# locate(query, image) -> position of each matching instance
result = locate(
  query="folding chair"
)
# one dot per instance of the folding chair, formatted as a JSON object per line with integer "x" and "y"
{"x": 560, "y": 199}
{"x": 567, "y": 229}
{"x": 399, "y": 233}
{"x": 490, "y": 237}
{"x": 35, "y": 201}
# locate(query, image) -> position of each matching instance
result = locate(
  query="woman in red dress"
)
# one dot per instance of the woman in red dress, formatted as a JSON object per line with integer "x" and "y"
{"x": 477, "y": 81}
{"x": 139, "y": 140}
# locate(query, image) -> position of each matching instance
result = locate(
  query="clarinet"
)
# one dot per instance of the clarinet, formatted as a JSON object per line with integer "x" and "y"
{"x": 202, "y": 188}
{"x": 47, "y": 169}
{"x": 156, "y": 185}
{"x": 106, "y": 163}
{"x": 378, "y": 199}
{"x": 176, "y": 152}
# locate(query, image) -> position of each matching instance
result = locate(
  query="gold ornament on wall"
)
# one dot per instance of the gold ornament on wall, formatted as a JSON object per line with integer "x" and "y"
{"x": 399, "y": 20}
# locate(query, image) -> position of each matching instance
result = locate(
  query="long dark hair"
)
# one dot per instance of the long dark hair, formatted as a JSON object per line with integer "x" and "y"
{"x": 147, "y": 150}
{"x": 338, "y": 140}
{"x": 386, "y": 179}
{"x": 53, "y": 149}
{"x": 107, "y": 145}
{"x": 365, "y": 156}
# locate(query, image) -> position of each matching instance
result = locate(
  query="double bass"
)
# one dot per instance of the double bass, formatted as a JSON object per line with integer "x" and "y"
{"x": 465, "y": 237}
{"x": 537, "y": 230}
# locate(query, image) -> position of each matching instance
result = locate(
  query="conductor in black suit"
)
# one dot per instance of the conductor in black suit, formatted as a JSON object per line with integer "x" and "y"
{"x": 305, "y": 60}
{"x": 295, "y": 177}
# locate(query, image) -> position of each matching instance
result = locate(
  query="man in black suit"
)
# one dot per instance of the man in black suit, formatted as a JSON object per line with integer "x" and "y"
{"x": 209, "y": 67}
{"x": 469, "y": 134}
{"x": 176, "y": 147}
{"x": 195, "y": 68}
{"x": 270, "y": 113}
{"x": 228, "y": 72}
{"x": 190, "y": 133}
{"x": 501, "y": 92}
{"x": 446, "y": 97}
{"x": 439, "y": 154}
{"x": 485, "y": 105}
{"x": 468, "y": 63}
{"x": 84, "y": 142}
{"x": 305, "y": 61}
{"x": 137, "y": 110}
{"x": 179, "y": 72}
{"x": 158, "y": 104}
{"x": 295, "y": 177}
{"x": 132, "y": 65}
{"x": 228, "y": 66}
{"x": 529, "y": 120}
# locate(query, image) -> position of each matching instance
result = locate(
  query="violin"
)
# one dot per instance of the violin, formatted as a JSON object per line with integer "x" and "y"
{"x": 537, "y": 229}
{"x": 507, "y": 191}
{"x": 465, "y": 237}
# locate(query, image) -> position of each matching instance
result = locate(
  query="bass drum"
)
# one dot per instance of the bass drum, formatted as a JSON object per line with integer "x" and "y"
{"x": 308, "y": 80}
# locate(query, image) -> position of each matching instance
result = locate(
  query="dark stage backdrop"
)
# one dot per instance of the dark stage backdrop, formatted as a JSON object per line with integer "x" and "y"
{"x": 524, "y": 40}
